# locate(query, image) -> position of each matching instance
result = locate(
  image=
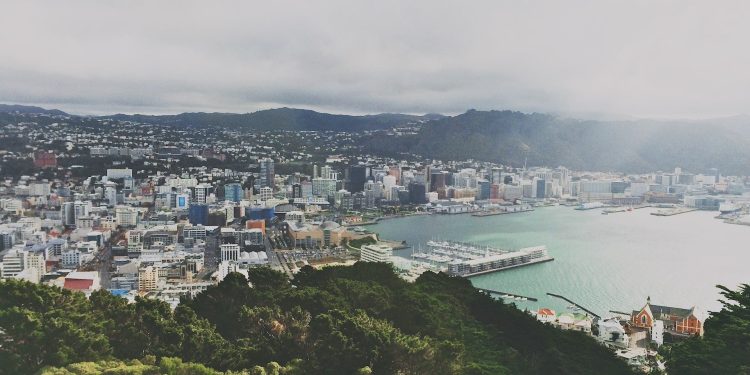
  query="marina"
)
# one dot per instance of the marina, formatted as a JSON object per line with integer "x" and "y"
{"x": 467, "y": 259}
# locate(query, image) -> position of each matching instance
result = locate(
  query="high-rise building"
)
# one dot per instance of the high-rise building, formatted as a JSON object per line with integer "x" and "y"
{"x": 202, "y": 192}
{"x": 417, "y": 193}
{"x": 539, "y": 188}
{"x": 328, "y": 172}
{"x": 110, "y": 193}
{"x": 233, "y": 192}
{"x": 267, "y": 173}
{"x": 198, "y": 214}
{"x": 357, "y": 178}
{"x": 297, "y": 191}
{"x": 323, "y": 187}
{"x": 437, "y": 180}
{"x": 484, "y": 190}
{"x": 72, "y": 211}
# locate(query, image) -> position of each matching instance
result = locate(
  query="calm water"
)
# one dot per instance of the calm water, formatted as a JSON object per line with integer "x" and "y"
{"x": 603, "y": 262}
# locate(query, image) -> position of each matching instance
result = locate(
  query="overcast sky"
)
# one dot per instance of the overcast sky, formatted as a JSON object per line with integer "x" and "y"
{"x": 588, "y": 58}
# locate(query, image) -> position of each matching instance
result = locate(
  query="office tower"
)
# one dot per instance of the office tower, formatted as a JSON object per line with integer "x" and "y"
{"x": 437, "y": 180}
{"x": 110, "y": 193}
{"x": 198, "y": 214}
{"x": 484, "y": 191}
{"x": 357, "y": 178}
{"x": 417, "y": 193}
{"x": 202, "y": 192}
{"x": 267, "y": 173}
{"x": 233, "y": 192}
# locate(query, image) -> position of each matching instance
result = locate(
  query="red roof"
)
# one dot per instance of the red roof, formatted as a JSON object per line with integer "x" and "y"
{"x": 78, "y": 284}
{"x": 545, "y": 311}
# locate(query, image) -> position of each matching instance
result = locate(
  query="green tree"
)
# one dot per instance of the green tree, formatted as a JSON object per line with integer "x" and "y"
{"x": 725, "y": 346}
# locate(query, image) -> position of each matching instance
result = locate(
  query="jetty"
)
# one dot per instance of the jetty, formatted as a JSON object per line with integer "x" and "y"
{"x": 507, "y": 295}
{"x": 575, "y": 304}
{"x": 673, "y": 212}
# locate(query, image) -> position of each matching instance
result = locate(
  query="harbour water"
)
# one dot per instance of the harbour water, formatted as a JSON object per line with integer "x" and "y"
{"x": 602, "y": 262}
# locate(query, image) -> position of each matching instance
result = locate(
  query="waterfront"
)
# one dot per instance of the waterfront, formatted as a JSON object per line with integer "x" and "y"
{"x": 603, "y": 262}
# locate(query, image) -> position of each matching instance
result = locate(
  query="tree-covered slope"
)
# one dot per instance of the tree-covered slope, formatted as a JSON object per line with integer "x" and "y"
{"x": 281, "y": 119}
{"x": 631, "y": 146}
{"x": 336, "y": 321}
{"x": 725, "y": 347}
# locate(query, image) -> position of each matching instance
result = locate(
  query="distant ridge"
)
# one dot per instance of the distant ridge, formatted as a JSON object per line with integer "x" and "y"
{"x": 626, "y": 146}
{"x": 506, "y": 137}
{"x": 282, "y": 119}
{"x": 27, "y": 109}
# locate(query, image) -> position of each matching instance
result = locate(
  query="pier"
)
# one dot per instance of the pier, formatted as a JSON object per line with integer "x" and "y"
{"x": 673, "y": 212}
{"x": 506, "y": 294}
{"x": 483, "y": 213}
{"x": 575, "y": 304}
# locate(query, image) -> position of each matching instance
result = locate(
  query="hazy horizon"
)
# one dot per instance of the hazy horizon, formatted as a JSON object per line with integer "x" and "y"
{"x": 587, "y": 60}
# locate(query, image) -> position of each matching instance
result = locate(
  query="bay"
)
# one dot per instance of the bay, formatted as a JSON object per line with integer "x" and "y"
{"x": 602, "y": 262}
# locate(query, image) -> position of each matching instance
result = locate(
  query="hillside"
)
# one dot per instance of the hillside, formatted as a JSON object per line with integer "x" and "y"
{"x": 341, "y": 320}
{"x": 630, "y": 146}
{"x": 25, "y": 109}
{"x": 281, "y": 119}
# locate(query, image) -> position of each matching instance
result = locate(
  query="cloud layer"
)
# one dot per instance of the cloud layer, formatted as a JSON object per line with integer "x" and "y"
{"x": 639, "y": 58}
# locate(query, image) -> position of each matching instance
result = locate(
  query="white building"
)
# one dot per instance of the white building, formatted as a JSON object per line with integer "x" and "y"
{"x": 119, "y": 173}
{"x": 14, "y": 261}
{"x": 265, "y": 193}
{"x": 71, "y": 258}
{"x": 376, "y": 253}
{"x": 230, "y": 252}
{"x": 126, "y": 216}
{"x": 612, "y": 333}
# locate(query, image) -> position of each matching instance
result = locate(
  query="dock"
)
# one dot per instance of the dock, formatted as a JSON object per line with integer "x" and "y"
{"x": 511, "y": 295}
{"x": 575, "y": 304}
{"x": 673, "y": 212}
{"x": 499, "y": 212}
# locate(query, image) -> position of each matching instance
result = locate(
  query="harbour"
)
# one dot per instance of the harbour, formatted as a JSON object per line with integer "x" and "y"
{"x": 596, "y": 255}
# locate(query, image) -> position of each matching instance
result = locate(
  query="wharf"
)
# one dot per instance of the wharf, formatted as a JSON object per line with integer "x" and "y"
{"x": 673, "y": 212}
{"x": 499, "y": 212}
{"x": 533, "y": 261}
{"x": 575, "y": 304}
{"x": 507, "y": 295}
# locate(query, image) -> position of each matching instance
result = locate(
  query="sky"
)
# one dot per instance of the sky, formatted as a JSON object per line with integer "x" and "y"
{"x": 590, "y": 59}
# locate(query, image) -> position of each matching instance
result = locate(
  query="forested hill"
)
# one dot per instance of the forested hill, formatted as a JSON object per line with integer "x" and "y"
{"x": 341, "y": 320}
{"x": 283, "y": 119}
{"x": 26, "y": 109}
{"x": 630, "y": 146}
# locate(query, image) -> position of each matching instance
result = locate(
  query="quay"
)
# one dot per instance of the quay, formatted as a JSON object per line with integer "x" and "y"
{"x": 507, "y": 295}
{"x": 673, "y": 212}
{"x": 500, "y": 212}
{"x": 575, "y": 304}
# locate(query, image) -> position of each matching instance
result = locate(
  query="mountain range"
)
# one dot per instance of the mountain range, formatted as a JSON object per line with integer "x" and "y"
{"x": 508, "y": 137}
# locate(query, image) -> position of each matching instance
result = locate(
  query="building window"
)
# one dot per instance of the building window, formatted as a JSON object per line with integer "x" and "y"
{"x": 643, "y": 319}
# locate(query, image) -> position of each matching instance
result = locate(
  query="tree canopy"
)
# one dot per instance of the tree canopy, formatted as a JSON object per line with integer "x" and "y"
{"x": 725, "y": 347}
{"x": 339, "y": 320}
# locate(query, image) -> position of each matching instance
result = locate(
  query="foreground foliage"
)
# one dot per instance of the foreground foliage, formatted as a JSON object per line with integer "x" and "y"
{"x": 340, "y": 320}
{"x": 725, "y": 347}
